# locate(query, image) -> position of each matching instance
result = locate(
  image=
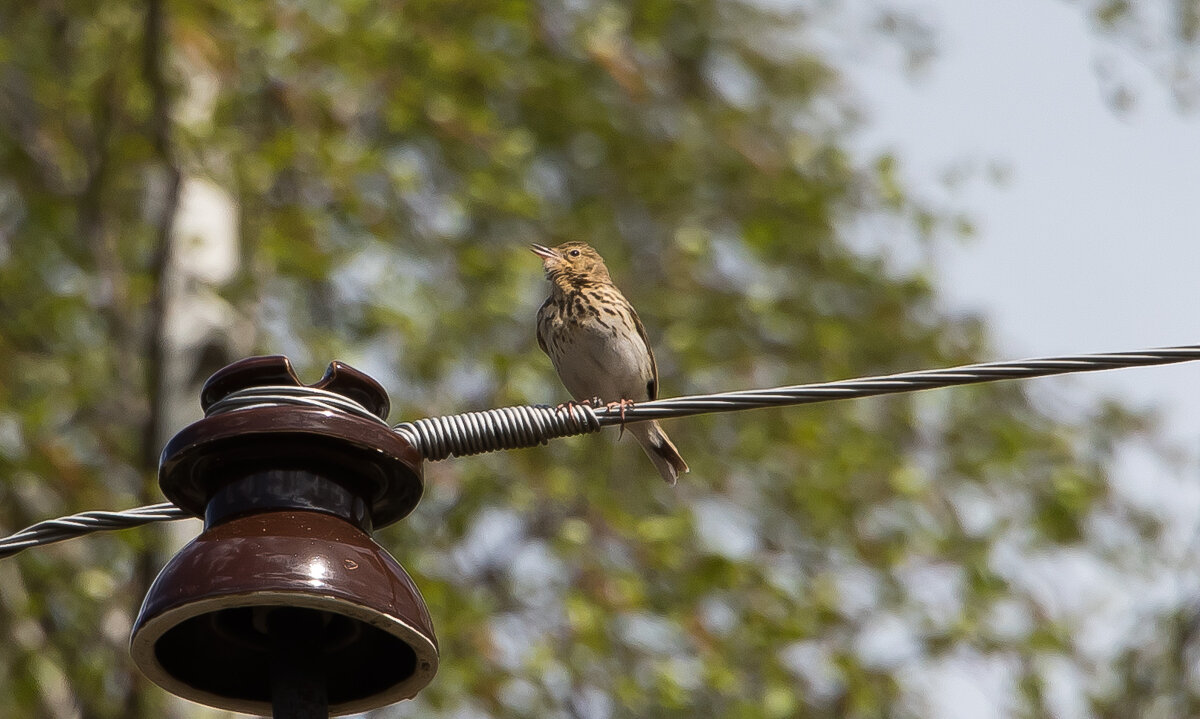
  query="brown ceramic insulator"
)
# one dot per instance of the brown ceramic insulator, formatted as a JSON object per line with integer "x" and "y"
{"x": 204, "y": 630}
{"x": 285, "y": 599}
{"x": 366, "y": 458}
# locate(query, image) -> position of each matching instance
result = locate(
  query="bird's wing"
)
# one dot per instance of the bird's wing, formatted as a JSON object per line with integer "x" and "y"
{"x": 652, "y": 383}
{"x": 542, "y": 340}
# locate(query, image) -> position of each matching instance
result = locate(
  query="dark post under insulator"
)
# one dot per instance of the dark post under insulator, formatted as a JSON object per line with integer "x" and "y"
{"x": 284, "y": 603}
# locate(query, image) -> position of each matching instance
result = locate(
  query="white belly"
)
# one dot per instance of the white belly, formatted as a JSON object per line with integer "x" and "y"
{"x": 595, "y": 363}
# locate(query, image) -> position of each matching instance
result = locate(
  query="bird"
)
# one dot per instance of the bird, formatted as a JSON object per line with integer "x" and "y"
{"x": 598, "y": 345}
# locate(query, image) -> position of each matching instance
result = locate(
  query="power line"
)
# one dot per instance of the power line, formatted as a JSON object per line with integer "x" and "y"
{"x": 476, "y": 432}
{"x": 492, "y": 430}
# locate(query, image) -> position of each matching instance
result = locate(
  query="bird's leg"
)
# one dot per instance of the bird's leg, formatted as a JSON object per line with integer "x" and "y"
{"x": 621, "y": 404}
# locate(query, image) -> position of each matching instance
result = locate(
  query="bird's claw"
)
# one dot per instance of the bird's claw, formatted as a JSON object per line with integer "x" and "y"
{"x": 569, "y": 407}
{"x": 597, "y": 403}
{"x": 622, "y": 405}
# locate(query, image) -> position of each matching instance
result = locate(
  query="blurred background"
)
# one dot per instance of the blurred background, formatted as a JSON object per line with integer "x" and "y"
{"x": 788, "y": 192}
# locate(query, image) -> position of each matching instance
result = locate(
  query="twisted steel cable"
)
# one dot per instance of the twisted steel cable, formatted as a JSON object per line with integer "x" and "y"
{"x": 527, "y": 426}
{"x": 76, "y": 525}
{"x": 895, "y": 383}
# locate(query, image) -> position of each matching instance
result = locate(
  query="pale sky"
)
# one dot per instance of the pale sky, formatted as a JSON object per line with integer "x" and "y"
{"x": 1093, "y": 243}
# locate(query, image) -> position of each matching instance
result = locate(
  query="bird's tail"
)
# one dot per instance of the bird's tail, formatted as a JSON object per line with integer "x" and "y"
{"x": 659, "y": 449}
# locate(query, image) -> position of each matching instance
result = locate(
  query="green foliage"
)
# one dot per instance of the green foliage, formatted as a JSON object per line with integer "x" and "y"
{"x": 389, "y": 163}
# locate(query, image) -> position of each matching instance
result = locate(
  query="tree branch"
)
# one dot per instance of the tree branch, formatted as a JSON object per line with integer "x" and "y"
{"x": 160, "y": 128}
{"x": 154, "y": 75}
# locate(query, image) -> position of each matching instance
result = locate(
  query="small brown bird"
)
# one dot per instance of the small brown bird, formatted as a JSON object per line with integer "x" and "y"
{"x": 598, "y": 345}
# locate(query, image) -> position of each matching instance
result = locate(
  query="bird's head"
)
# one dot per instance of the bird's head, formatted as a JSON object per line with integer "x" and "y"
{"x": 572, "y": 261}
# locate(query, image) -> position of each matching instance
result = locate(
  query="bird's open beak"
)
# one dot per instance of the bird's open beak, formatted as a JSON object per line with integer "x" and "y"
{"x": 544, "y": 252}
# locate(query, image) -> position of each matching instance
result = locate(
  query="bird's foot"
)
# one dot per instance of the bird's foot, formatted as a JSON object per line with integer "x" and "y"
{"x": 569, "y": 407}
{"x": 621, "y": 404}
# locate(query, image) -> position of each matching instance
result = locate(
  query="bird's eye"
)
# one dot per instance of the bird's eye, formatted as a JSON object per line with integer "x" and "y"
{"x": 574, "y": 253}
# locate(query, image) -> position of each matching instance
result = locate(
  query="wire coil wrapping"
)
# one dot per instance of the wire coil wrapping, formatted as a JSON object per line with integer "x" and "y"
{"x": 460, "y": 435}
{"x": 277, "y": 395}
